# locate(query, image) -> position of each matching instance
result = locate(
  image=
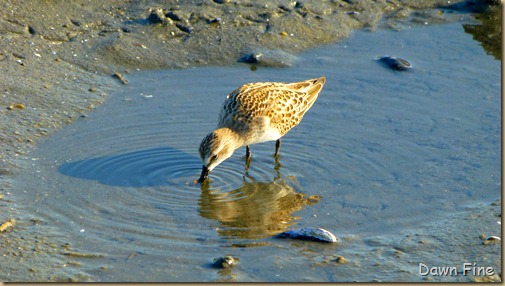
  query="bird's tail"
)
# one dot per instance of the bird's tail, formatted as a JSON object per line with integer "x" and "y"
{"x": 311, "y": 88}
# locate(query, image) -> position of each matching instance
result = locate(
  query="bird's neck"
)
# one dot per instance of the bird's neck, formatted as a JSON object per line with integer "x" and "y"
{"x": 233, "y": 139}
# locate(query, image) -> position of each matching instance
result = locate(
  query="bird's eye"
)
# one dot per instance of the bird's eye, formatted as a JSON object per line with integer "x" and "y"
{"x": 214, "y": 157}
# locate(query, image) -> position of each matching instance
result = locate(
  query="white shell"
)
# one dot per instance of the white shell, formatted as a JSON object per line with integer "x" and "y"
{"x": 311, "y": 233}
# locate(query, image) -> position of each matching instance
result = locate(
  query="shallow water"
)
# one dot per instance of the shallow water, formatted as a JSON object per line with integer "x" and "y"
{"x": 381, "y": 152}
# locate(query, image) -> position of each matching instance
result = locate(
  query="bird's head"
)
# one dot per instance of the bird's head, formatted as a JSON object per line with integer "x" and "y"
{"x": 216, "y": 147}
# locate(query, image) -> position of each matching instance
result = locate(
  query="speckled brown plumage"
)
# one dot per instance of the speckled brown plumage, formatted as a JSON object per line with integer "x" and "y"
{"x": 257, "y": 112}
{"x": 284, "y": 104}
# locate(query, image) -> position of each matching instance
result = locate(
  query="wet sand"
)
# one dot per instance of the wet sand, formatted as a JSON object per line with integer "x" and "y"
{"x": 57, "y": 63}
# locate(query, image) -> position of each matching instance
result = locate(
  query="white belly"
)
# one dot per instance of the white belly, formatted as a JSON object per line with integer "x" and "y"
{"x": 261, "y": 131}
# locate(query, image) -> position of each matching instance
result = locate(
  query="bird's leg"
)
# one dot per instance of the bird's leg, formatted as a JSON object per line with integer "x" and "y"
{"x": 277, "y": 147}
{"x": 248, "y": 156}
{"x": 247, "y": 152}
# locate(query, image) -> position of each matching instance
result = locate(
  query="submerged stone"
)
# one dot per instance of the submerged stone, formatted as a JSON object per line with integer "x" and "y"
{"x": 225, "y": 261}
{"x": 395, "y": 63}
{"x": 311, "y": 233}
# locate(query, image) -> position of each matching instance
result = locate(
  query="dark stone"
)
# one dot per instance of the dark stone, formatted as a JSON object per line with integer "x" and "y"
{"x": 173, "y": 16}
{"x": 183, "y": 28}
{"x": 395, "y": 63}
{"x": 31, "y": 30}
{"x": 156, "y": 16}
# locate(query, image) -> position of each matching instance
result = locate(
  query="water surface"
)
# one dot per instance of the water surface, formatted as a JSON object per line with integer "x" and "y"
{"x": 381, "y": 153}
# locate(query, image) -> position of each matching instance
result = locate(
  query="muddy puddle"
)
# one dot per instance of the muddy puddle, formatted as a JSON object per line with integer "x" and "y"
{"x": 382, "y": 157}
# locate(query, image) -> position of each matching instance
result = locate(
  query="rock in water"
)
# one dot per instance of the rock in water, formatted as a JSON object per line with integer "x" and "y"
{"x": 311, "y": 233}
{"x": 395, "y": 63}
{"x": 225, "y": 262}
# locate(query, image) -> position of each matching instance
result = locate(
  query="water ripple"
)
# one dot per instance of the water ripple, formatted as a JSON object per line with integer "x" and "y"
{"x": 162, "y": 166}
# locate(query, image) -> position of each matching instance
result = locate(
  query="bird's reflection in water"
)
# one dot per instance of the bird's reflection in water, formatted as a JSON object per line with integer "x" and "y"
{"x": 256, "y": 209}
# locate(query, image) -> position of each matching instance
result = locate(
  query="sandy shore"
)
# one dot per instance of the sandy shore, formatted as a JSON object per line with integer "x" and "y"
{"x": 57, "y": 62}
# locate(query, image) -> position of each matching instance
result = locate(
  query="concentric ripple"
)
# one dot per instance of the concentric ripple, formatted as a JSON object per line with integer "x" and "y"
{"x": 162, "y": 166}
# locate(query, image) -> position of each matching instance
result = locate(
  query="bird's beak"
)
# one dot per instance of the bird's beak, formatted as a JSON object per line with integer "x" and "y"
{"x": 204, "y": 175}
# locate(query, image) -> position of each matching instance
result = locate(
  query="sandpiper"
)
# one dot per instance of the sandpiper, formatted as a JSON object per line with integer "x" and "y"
{"x": 255, "y": 113}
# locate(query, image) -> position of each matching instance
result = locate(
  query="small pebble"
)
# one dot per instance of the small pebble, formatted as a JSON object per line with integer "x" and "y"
{"x": 31, "y": 30}
{"x": 16, "y": 106}
{"x": 492, "y": 240}
{"x": 251, "y": 58}
{"x": 19, "y": 56}
{"x": 214, "y": 21}
{"x": 7, "y": 225}
{"x": 183, "y": 28}
{"x": 225, "y": 262}
{"x": 156, "y": 16}
{"x": 341, "y": 260}
{"x": 173, "y": 16}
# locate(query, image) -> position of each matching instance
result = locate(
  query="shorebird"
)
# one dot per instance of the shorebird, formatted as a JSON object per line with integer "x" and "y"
{"x": 255, "y": 113}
